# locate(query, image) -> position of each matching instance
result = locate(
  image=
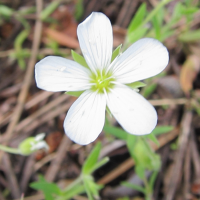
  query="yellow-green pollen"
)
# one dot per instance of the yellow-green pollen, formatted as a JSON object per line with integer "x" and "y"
{"x": 102, "y": 81}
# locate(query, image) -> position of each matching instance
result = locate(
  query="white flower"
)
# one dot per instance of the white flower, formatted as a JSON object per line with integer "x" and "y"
{"x": 39, "y": 143}
{"x": 31, "y": 144}
{"x": 104, "y": 84}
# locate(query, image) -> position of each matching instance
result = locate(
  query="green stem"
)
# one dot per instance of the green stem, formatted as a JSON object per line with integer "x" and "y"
{"x": 74, "y": 184}
{"x": 154, "y": 11}
{"x": 148, "y": 194}
{"x": 98, "y": 165}
{"x": 49, "y": 9}
{"x": 9, "y": 149}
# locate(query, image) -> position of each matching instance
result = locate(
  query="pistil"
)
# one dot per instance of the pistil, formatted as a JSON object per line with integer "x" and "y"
{"x": 102, "y": 82}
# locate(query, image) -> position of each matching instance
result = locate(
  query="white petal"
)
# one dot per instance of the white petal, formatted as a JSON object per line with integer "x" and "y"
{"x": 39, "y": 137}
{"x": 39, "y": 145}
{"x": 145, "y": 58}
{"x": 96, "y": 40}
{"x": 85, "y": 119}
{"x": 55, "y": 74}
{"x": 134, "y": 113}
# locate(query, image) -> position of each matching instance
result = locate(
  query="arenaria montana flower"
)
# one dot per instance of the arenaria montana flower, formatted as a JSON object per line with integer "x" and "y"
{"x": 104, "y": 83}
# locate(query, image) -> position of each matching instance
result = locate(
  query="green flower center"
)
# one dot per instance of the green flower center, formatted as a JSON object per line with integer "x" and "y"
{"x": 102, "y": 81}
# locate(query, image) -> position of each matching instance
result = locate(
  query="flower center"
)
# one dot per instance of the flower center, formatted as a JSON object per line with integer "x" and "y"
{"x": 102, "y": 81}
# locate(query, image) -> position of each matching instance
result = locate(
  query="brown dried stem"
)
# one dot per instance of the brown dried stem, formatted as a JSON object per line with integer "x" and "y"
{"x": 27, "y": 79}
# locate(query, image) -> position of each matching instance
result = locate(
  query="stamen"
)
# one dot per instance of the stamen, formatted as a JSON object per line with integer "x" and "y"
{"x": 108, "y": 78}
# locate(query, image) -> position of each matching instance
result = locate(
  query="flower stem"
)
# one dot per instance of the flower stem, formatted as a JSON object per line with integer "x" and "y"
{"x": 99, "y": 164}
{"x": 73, "y": 184}
{"x": 154, "y": 11}
{"x": 9, "y": 149}
{"x": 148, "y": 192}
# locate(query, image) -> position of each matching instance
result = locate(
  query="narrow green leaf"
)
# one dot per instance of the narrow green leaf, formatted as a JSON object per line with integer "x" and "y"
{"x": 74, "y": 93}
{"x": 117, "y": 132}
{"x": 49, "y": 9}
{"x": 28, "y": 10}
{"x": 79, "y": 59}
{"x": 79, "y": 9}
{"x": 140, "y": 171}
{"x": 166, "y": 34}
{"x": 138, "y": 18}
{"x": 160, "y": 16}
{"x": 46, "y": 185}
{"x": 131, "y": 141}
{"x": 190, "y": 36}
{"x": 20, "y": 39}
{"x": 137, "y": 34}
{"x": 177, "y": 11}
{"x": 116, "y": 52}
{"x": 152, "y": 179}
{"x": 149, "y": 89}
{"x": 6, "y": 11}
{"x": 74, "y": 191}
{"x": 99, "y": 164}
{"x": 92, "y": 189}
{"x": 161, "y": 130}
{"x": 50, "y": 188}
{"x": 174, "y": 146}
{"x": 148, "y": 18}
{"x": 190, "y": 10}
{"x": 91, "y": 159}
{"x": 48, "y": 196}
{"x": 153, "y": 138}
{"x": 133, "y": 186}
{"x": 157, "y": 27}
{"x": 88, "y": 190}
{"x": 135, "y": 85}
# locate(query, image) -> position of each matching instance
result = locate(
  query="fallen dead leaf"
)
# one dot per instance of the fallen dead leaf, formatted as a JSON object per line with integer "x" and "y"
{"x": 118, "y": 35}
{"x": 53, "y": 140}
{"x": 62, "y": 38}
{"x": 189, "y": 72}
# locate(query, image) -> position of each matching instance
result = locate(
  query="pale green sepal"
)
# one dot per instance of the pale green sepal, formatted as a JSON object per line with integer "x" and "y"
{"x": 116, "y": 52}
{"x": 26, "y": 145}
{"x": 32, "y": 144}
{"x": 74, "y": 93}
{"x": 135, "y": 85}
{"x": 108, "y": 111}
{"x": 79, "y": 59}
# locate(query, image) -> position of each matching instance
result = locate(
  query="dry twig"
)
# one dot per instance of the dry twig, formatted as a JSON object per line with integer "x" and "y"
{"x": 27, "y": 79}
{"x": 186, "y": 125}
{"x": 55, "y": 164}
{"x": 12, "y": 180}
